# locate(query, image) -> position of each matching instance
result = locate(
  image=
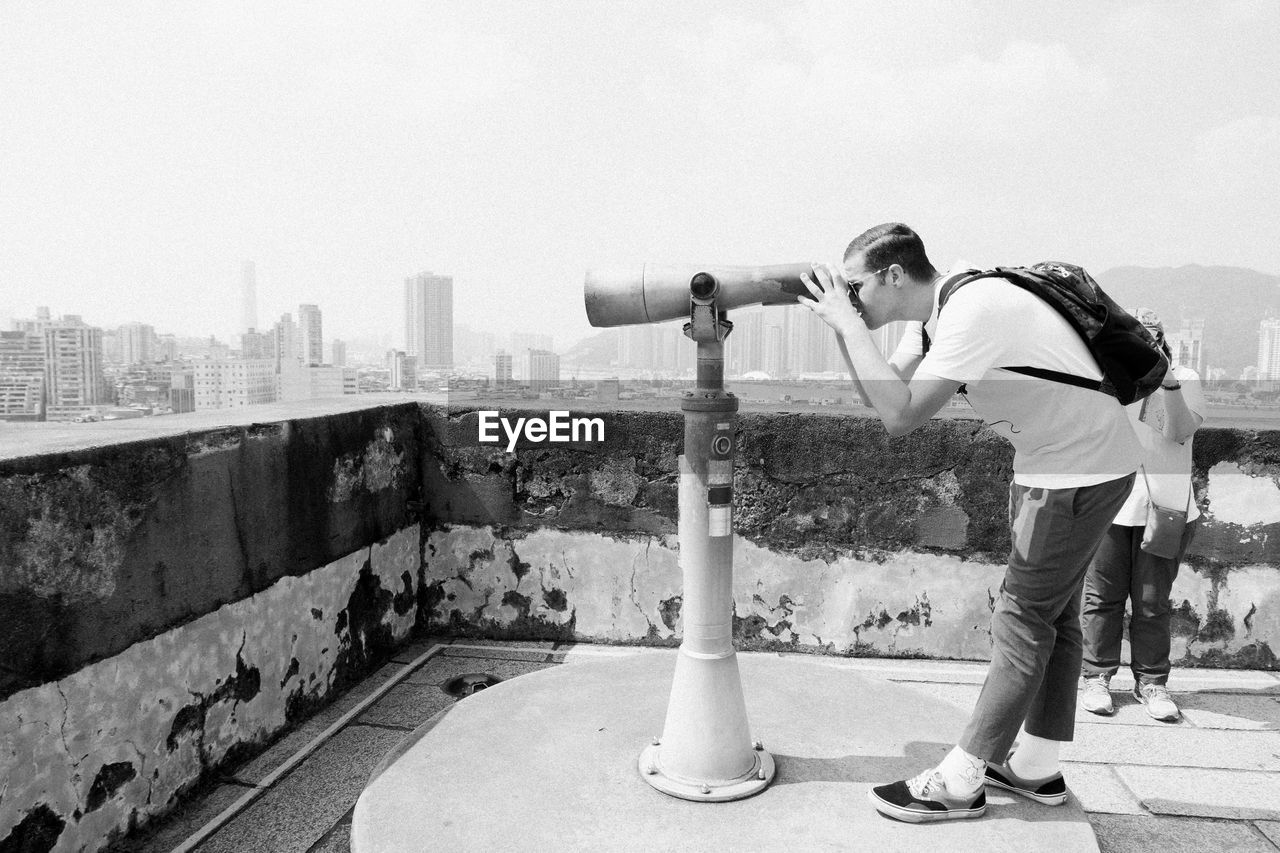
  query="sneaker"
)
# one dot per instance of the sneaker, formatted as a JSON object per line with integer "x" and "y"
{"x": 1159, "y": 704}
{"x": 925, "y": 799}
{"x": 1051, "y": 790}
{"x": 1096, "y": 696}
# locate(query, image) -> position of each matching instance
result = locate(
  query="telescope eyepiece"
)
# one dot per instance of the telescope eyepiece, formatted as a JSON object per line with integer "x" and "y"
{"x": 703, "y": 286}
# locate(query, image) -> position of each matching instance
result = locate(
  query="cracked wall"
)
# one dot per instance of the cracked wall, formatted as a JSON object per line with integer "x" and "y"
{"x": 85, "y": 758}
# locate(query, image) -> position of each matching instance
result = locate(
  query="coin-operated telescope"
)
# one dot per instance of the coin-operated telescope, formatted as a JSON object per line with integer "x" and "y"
{"x": 706, "y": 751}
{"x": 659, "y": 292}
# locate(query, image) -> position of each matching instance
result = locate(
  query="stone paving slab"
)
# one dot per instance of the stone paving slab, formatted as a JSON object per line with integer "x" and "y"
{"x": 180, "y": 824}
{"x": 1230, "y": 711}
{"x": 415, "y": 649}
{"x": 256, "y": 769}
{"x": 500, "y": 654}
{"x": 338, "y": 840}
{"x": 1173, "y": 746}
{"x": 407, "y": 706}
{"x": 1135, "y": 834}
{"x": 1271, "y": 829}
{"x": 567, "y": 739}
{"x": 440, "y": 669}
{"x": 1234, "y": 794}
{"x": 310, "y": 800}
{"x": 1098, "y": 789}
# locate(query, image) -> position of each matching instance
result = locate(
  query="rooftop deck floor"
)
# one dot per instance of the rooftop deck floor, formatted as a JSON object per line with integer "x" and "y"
{"x": 1207, "y": 782}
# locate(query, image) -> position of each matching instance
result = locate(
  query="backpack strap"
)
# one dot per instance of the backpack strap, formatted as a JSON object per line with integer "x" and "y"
{"x": 949, "y": 287}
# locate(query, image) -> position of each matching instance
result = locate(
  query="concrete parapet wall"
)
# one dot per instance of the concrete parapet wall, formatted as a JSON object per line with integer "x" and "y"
{"x": 169, "y": 604}
{"x": 848, "y": 542}
{"x": 89, "y": 756}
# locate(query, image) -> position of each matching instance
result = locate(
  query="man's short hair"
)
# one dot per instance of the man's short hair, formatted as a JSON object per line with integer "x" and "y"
{"x": 893, "y": 243}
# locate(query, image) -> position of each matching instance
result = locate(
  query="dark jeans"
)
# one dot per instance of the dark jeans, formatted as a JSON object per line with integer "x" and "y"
{"x": 1035, "y": 627}
{"x": 1121, "y": 571}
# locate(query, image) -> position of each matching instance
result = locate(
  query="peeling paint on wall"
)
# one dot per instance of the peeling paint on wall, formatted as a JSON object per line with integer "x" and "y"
{"x": 83, "y": 758}
{"x": 379, "y": 466}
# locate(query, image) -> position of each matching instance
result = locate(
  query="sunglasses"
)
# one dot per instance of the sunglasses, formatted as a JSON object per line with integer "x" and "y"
{"x": 855, "y": 284}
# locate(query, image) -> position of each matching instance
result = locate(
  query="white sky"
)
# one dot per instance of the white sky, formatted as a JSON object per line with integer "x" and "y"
{"x": 148, "y": 149}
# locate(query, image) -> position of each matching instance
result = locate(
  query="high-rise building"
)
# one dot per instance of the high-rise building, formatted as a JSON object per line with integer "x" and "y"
{"x": 309, "y": 327}
{"x": 255, "y": 344}
{"x": 166, "y": 348}
{"x": 403, "y": 369}
{"x": 225, "y": 383}
{"x": 74, "y": 379}
{"x": 428, "y": 320}
{"x": 137, "y": 343}
{"x": 540, "y": 368}
{"x": 1269, "y": 349}
{"x": 338, "y": 350}
{"x": 502, "y": 369}
{"x": 21, "y": 376}
{"x": 182, "y": 393}
{"x": 248, "y": 296}
{"x": 1186, "y": 345}
{"x": 288, "y": 339}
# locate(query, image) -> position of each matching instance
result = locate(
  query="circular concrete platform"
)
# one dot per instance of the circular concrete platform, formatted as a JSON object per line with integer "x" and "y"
{"x": 547, "y": 761}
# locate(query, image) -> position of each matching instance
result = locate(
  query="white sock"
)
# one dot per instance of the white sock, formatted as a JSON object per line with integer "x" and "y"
{"x": 1035, "y": 757}
{"x": 963, "y": 773}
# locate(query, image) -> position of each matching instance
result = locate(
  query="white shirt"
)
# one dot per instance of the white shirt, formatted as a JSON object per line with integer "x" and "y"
{"x": 1063, "y": 436}
{"x": 1167, "y": 464}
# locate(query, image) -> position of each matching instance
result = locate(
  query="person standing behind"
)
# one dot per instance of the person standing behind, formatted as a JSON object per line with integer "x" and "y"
{"x": 1121, "y": 570}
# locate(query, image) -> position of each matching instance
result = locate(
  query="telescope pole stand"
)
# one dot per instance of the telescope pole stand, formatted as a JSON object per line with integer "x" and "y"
{"x": 706, "y": 752}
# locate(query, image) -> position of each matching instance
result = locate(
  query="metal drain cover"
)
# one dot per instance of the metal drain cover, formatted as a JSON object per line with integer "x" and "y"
{"x": 472, "y": 682}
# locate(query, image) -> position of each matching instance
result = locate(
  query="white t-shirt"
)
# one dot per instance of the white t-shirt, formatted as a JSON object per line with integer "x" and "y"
{"x": 1063, "y": 436}
{"x": 1167, "y": 463}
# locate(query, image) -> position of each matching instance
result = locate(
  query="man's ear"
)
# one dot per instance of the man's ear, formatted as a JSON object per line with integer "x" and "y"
{"x": 899, "y": 276}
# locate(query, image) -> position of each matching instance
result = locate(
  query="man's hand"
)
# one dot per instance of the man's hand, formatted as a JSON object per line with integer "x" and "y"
{"x": 831, "y": 299}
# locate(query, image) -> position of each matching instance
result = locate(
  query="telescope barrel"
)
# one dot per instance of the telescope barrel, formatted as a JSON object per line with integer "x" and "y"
{"x": 660, "y": 292}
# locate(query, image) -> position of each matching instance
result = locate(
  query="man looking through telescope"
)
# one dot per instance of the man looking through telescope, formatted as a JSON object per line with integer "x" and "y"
{"x": 1075, "y": 455}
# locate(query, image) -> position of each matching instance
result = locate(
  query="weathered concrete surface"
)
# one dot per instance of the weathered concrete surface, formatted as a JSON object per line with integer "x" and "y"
{"x": 93, "y": 754}
{"x": 558, "y": 584}
{"x": 856, "y": 543}
{"x": 103, "y": 547}
{"x": 568, "y": 740}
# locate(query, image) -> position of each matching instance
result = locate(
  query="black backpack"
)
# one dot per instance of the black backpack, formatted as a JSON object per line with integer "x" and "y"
{"x": 1131, "y": 362}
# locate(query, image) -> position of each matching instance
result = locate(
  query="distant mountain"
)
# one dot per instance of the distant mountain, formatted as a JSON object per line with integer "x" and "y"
{"x": 598, "y": 351}
{"x": 1230, "y": 300}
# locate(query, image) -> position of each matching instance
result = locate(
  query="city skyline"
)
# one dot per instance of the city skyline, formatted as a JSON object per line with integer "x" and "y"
{"x": 517, "y": 148}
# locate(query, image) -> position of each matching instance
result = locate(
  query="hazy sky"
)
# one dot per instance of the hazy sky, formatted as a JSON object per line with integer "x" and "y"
{"x": 148, "y": 149}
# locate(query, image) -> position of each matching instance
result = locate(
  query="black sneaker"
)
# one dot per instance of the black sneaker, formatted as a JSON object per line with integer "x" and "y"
{"x": 1052, "y": 790}
{"x": 925, "y": 799}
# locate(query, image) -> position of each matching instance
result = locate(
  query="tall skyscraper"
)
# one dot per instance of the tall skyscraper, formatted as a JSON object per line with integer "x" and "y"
{"x": 403, "y": 371}
{"x": 73, "y": 368}
{"x": 249, "y": 296}
{"x": 21, "y": 376}
{"x": 502, "y": 369}
{"x": 428, "y": 320}
{"x": 254, "y": 344}
{"x": 137, "y": 343}
{"x": 309, "y": 327}
{"x": 338, "y": 348}
{"x": 1269, "y": 349}
{"x": 540, "y": 368}
{"x": 288, "y": 339}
